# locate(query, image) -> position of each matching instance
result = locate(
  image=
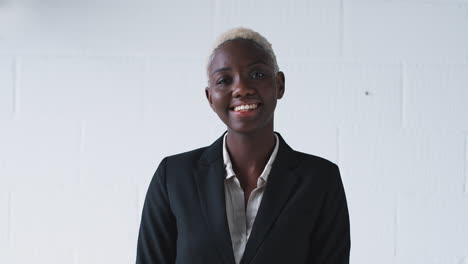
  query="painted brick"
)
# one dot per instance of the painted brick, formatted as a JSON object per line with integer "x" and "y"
{"x": 77, "y": 4}
{"x": 5, "y": 210}
{"x": 435, "y": 2}
{"x": 403, "y": 160}
{"x": 161, "y": 28}
{"x": 123, "y": 153}
{"x": 74, "y": 225}
{"x": 429, "y": 260}
{"x": 107, "y": 225}
{"x": 406, "y": 30}
{"x": 436, "y": 96}
{"x": 6, "y": 87}
{"x": 43, "y": 225}
{"x": 432, "y": 225}
{"x": 372, "y": 220}
{"x": 112, "y": 153}
{"x": 328, "y": 92}
{"x": 120, "y": 153}
{"x": 321, "y": 140}
{"x": 81, "y": 87}
{"x": 41, "y": 153}
{"x": 313, "y": 26}
{"x": 175, "y": 102}
{"x": 127, "y": 152}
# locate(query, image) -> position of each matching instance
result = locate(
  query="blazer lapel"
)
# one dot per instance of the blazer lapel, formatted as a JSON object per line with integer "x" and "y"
{"x": 209, "y": 176}
{"x": 279, "y": 187}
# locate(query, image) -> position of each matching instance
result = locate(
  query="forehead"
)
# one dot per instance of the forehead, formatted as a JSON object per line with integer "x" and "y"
{"x": 238, "y": 52}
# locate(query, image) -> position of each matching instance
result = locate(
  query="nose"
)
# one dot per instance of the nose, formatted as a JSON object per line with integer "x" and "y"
{"x": 242, "y": 88}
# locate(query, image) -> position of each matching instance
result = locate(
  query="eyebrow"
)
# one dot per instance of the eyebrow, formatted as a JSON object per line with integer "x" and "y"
{"x": 220, "y": 70}
{"x": 258, "y": 62}
{"x": 229, "y": 68}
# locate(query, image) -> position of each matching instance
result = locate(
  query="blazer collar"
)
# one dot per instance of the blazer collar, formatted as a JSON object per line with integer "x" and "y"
{"x": 210, "y": 175}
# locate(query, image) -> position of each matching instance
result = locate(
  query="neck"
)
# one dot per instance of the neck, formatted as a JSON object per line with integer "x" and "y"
{"x": 250, "y": 152}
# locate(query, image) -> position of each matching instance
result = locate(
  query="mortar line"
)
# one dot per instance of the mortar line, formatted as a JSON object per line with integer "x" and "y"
{"x": 395, "y": 231}
{"x": 146, "y": 63}
{"x": 341, "y": 29}
{"x": 213, "y": 19}
{"x": 137, "y": 202}
{"x": 338, "y": 145}
{"x": 403, "y": 87}
{"x": 82, "y": 138}
{"x": 82, "y": 135}
{"x": 75, "y": 257}
{"x": 465, "y": 166}
{"x": 16, "y": 88}
{"x": 10, "y": 216}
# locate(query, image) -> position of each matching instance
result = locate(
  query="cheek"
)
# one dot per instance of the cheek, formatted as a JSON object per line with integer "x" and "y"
{"x": 219, "y": 102}
{"x": 269, "y": 92}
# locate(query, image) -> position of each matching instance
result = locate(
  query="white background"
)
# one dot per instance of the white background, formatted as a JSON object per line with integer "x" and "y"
{"x": 93, "y": 94}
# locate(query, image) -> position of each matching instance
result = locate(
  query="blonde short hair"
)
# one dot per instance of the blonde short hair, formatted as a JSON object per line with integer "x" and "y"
{"x": 246, "y": 34}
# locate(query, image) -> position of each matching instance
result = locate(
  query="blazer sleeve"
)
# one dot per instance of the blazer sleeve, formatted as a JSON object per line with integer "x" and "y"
{"x": 158, "y": 231}
{"x": 330, "y": 242}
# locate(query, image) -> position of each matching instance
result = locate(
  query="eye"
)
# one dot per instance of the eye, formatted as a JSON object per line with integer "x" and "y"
{"x": 258, "y": 75}
{"x": 222, "y": 81}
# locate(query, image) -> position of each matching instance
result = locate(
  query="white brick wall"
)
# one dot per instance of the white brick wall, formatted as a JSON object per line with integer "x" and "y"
{"x": 413, "y": 31}
{"x": 93, "y": 94}
{"x": 7, "y": 87}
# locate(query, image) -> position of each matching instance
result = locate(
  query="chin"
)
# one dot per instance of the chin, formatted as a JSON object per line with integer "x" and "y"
{"x": 246, "y": 129}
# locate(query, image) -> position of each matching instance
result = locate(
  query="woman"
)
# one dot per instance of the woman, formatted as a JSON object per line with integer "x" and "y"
{"x": 249, "y": 197}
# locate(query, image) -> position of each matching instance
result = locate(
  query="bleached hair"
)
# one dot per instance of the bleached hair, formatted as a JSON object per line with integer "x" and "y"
{"x": 246, "y": 34}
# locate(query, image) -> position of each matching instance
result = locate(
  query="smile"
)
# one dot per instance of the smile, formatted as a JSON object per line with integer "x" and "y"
{"x": 246, "y": 107}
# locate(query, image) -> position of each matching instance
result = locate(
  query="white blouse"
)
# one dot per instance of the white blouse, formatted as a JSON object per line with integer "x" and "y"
{"x": 239, "y": 219}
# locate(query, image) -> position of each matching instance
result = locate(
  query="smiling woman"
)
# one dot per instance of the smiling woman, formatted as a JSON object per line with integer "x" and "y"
{"x": 248, "y": 197}
{"x": 243, "y": 87}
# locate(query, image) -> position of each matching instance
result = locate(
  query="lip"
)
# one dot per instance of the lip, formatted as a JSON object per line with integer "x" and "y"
{"x": 244, "y": 103}
{"x": 250, "y": 112}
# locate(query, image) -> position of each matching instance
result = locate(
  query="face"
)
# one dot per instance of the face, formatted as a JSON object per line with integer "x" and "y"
{"x": 243, "y": 88}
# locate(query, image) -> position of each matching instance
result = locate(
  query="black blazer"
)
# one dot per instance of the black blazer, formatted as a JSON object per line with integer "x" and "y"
{"x": 302, "y": 218}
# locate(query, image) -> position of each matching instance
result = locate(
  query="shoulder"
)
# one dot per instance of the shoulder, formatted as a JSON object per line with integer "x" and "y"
{"x": 188, "y": 157}
{"x": 191, "y": 158}
{"x": 308, "y": 165}
{"x": 184, "y": 160}
{"x": 318, "y": 170}
{"x": 315, "y": 161}
{"x": 301, "y": 158}
{"x": 177, "y": 165}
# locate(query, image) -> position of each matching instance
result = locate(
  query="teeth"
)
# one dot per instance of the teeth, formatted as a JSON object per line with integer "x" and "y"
{"x": 245, "y": 107}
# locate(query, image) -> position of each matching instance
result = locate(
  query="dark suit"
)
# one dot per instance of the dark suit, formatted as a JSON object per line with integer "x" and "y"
{"x": 303, "y": 217}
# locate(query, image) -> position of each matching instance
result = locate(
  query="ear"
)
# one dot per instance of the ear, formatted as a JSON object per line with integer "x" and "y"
{"x": 280, "y": 81}
{"x": 208, "y": 95}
